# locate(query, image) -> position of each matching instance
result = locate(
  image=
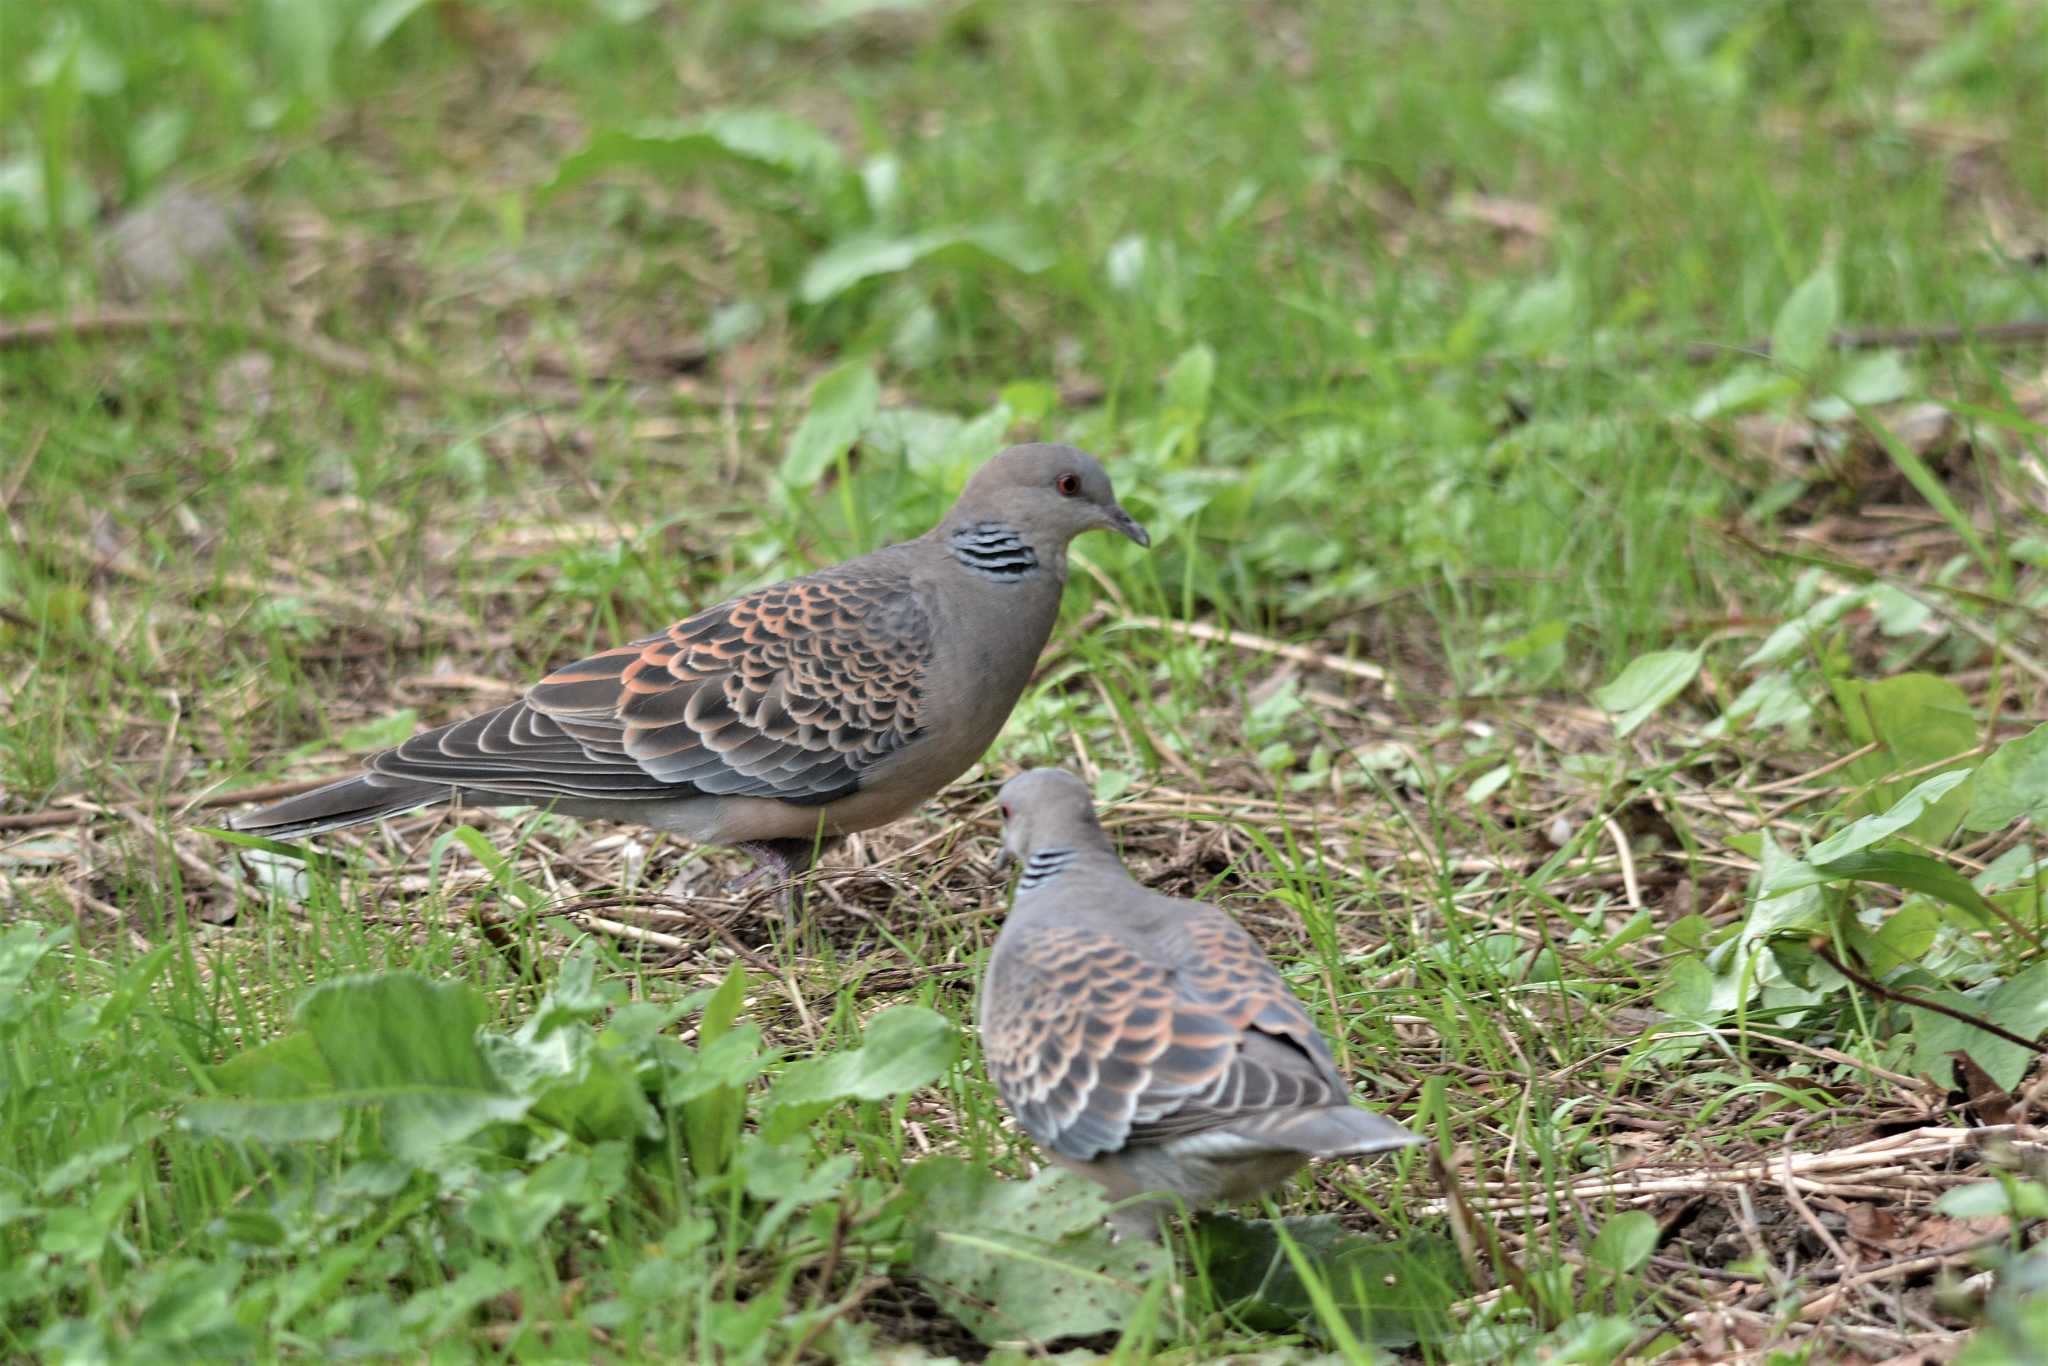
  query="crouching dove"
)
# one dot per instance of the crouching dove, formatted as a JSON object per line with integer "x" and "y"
{"x": 1146, "y": 1041}
{"x": 791, "y": 715}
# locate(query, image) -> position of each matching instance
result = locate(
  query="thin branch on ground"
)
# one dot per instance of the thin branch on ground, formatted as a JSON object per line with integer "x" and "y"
{"x": 1819, "y": 945}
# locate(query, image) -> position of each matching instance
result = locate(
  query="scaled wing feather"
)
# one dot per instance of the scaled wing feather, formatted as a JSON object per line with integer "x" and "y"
{"x": 1095, "y": 1046}
{"x": 794, "y": 692}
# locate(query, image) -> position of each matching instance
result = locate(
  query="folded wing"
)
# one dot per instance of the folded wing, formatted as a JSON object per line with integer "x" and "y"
{"x": 1096, "y": 1047}
{"x": 793, "y": 692}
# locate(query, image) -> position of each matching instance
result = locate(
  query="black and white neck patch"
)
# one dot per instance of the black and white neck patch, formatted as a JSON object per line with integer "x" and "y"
{"x": 994, "y": 551}
{"x": 1043, "y": 866}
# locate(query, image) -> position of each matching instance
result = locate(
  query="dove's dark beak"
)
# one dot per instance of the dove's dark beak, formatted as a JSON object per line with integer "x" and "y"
{"x": 1128, "y": 525}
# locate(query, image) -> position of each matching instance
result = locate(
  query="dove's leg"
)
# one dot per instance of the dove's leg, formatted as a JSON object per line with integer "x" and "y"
{"x": 781, "y": 860}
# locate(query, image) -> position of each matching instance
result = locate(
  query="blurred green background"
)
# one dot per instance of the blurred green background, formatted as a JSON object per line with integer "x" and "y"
{"x": 359, "y": 359}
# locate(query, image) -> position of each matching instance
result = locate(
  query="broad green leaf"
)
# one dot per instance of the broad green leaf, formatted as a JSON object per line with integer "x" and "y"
{"x": 784, "y": 1176}
{"x": 2019, "y": 1004}
{"x": 2012, "y": 784}
{"x": 1898, "y": 612}
{"x": 13, "y": 1209}
{"x": 1800, "y": 337}
{"x": 81, "y": 1234}
{"x": 1770, "y": 701}
{"x": 940, "y": 446}
{"x": 392, "y": 1042}
{"x": 277, "y": 1092}
{"x": 708, "y": 1083}
{"x": 383, "y": 19}
{"x": 1892, "y": 868}
{"x": 1861, "y": 834}
{"x": 21, "y": 948}
{"x": 1879, "y": 377}
{"x": 1543, "y": 316}
{"x": 1919, "y": 721}
{"x": 24, "y": 192}
{"x": 866, "y": 256}
{"x": 579, "y": 1080}
{"x": 70, "y": 53}
{"x": 192, "y": 1313}
{"x": 1589, "y": 1340}
{"x": 1900, "y": 939}
{"x": 1188, "y": 383}
{"x": 1794, "y": 637}
{"x": 82, "y": 1164}
{"x": 602, "y": 1099}
{"x": 2017, "y": 866}
{"x": 1646, "y": 684}
{"x": 978, "y": 439}
{"x": 765, "y": 140}
{"x": 1786, "y": 901}
{"x": 727, "y": 1063}
{"x": 1915, "y": 873}
{"x": 1981, "y": 1199}
{"x": 512, "y": 1211}
{"x": 1742, "y": 390}
{"x": 842, "y": 403}
{"x": 723, "y": 1006}
{"x": 407, "y": 1045}
{"x": 157, "y": 140}
{"x": 575, "y": 994}
{"x": 732, "y": 324}
{"x": 1128, "y": 262}
{"x": 1488, "y": 783}
{"x": 441, "y": 1309}
{"x": 1694, "y": 991}
{"x": 921, "y": 438}
{"x": 1030, "y": 400}
{"x": 1022, "y": 1260}
{"x": 1393, "y": 1294}
{"x": 904, "y": 1047}
{"x": 1625, "y": 1242}
{"x": 1539, "y": 651}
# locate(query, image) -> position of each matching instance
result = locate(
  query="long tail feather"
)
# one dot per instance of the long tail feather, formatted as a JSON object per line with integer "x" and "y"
{"x": 1332, "y": 1131}
{"x": 352, "y": 801}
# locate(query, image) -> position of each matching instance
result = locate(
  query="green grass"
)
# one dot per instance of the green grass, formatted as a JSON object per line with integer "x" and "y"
{"x": 1420, "y": 337}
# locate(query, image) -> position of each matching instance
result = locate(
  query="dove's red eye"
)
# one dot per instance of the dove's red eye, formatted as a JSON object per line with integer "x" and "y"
{"x": 1005, "y": 809}
{"x": 1068, "y": 484}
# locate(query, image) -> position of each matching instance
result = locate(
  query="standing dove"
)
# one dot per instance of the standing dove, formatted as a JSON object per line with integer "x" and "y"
{"x": 1145, "y": 1041}
{"x": 791, "y": 715}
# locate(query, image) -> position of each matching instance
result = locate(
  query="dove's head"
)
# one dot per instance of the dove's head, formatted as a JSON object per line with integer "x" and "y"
{"x": 1050, "y": 494}
{"x": 1047, "y": 808}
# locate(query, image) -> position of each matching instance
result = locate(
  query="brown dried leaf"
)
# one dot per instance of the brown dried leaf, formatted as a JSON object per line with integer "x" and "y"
{"x": 1940, "y": 1233}
{"x": 1990, "y": 1102}
{"x": 1872, "y": 1224}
